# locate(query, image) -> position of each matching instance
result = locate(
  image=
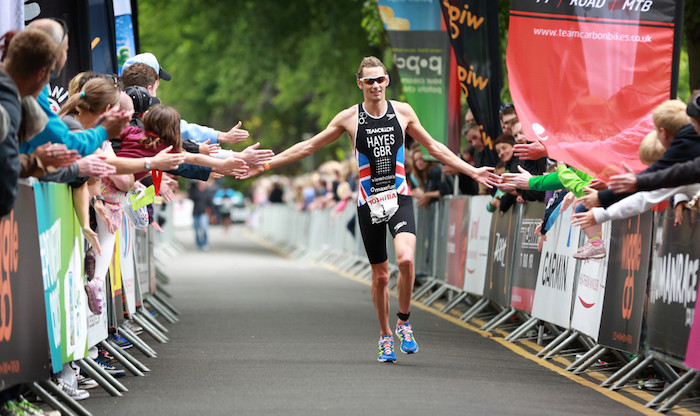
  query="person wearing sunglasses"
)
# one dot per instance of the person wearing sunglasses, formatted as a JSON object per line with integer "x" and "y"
{"x": 377, "y": 128}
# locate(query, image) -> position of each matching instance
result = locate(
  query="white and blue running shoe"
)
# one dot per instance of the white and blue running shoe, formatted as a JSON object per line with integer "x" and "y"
{"x": 386, "y": 349}
{"x": 405, "y": 334}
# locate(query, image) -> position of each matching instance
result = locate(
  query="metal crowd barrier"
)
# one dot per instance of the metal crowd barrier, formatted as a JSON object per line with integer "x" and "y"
{"x": 46, "y": 322}
{"x": 588, "y": 309}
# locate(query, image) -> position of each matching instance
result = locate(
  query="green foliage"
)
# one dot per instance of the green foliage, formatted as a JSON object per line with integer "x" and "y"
{"x": 283, "y": 68}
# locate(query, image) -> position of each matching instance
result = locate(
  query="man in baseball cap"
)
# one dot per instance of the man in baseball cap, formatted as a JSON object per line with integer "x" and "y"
{"x": 693, "y": 110}
{"x": 150, "y": 60}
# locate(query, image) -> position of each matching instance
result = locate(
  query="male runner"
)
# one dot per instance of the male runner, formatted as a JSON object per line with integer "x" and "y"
{"x": 377, "y": 128}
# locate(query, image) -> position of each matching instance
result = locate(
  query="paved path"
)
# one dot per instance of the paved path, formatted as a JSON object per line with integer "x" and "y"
{"x": 264, "y": 335}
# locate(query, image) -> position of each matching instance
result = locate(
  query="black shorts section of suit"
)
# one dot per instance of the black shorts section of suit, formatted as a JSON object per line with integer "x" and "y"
{"x": 374, "y": 235}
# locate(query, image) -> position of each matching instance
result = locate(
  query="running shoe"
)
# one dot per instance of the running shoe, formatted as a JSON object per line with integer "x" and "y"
{"x": 590, "y": 251}
{"x": 110, "y": 369}
{"x": 121, "y": 342}
{"x": 386, "y": 349}
{"x": 405, "y": 334}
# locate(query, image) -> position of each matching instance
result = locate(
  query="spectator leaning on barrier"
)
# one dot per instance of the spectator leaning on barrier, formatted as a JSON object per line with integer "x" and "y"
{"x": 29, "y": 59}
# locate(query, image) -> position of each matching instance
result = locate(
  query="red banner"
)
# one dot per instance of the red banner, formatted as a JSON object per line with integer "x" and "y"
{"x": 585, "y": 76}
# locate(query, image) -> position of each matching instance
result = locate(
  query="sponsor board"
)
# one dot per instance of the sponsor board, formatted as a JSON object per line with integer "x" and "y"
{"x": 626, "y": 284}
{"x": 477, "y": 257}
{"x": 556, "y": 274}
{"x": 590, "y": 291}
{"x": 673, "y": 286}
{"x": 24, "y": 340}
{"x": 527, "y": 257}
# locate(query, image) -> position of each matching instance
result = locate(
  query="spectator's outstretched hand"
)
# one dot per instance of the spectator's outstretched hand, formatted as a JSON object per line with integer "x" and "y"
{"x": 590, "y": 200}
{"x": 91, "y": 237}
{"x": 56, "y": 155}
{"x": 678, "y": 211}
{"x": 598, "y": 185}
{"x": 485, "y": 176}
{"x": 165, "y": 160}
{"x": 254, "y": 156}
{"x": 235, "y": 135}
{"x": 530, "y": 151}
{"x": 519, "y": 180}
{"x": 95, "y": 165}
{"x": 209, "y": 149}
{"x": 624, "y": 182}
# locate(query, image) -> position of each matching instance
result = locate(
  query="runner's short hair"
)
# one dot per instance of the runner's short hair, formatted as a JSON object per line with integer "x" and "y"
{"x": 369, "y": 62}
{"x": 670, "y": 116}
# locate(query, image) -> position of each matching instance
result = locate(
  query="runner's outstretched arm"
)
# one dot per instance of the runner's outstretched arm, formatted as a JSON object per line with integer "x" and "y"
{"x": 306, "y": 148}
{"x": 439, "y": 151}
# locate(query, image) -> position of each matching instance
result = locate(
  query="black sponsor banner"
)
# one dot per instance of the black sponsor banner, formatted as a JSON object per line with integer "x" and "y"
{"x": 626, "y": 283}
{"x": 673, "y": 286}
{"x": 504, "y": 233}
{"x": 24, "y": 341}
{"x": 473, "y": 29}
{"x": 527, "y": 258}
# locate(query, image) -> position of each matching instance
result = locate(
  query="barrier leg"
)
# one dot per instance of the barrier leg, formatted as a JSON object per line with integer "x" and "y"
{"x": 161, "y": 310}
{"x": 126, "y": 359}
{"x": 621, "y": 372}
{"x": 627, "y": 377}
{"x": 681, "y": 393}
{"x": 146, "y": 315}
{"x": 49, "y": 399}
{"x": 670, "y": 389}
{"x": 511, "y": 312}
{"x": 423, "y": 290}
{"x": 138, "y": 343}
{"x": 167, "y": 304}
{"x": 592, "y": 360}
{"x": 556, "y": 350}
{"x": 153, "y": 332}
{"x": 561, "y": 337}
{"x": 584, "y": 357}
{"x": 499, "y": 315}
{"x": 56, "y": 391}
{"x": 665, "y": 370}
{"x": 455, "y": 302}
{"x": 522, "y": 330}
{"x": 436, "y": 295}
{"x": 102, "y": 381}
{"x": 475, "y": 309}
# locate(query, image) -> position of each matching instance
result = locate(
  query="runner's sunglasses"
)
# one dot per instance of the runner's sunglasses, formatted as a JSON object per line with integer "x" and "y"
{"x": 372, "y": 80}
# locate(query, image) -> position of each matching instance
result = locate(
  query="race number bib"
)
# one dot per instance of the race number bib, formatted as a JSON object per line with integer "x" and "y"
{"x": 383, "y": 206}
